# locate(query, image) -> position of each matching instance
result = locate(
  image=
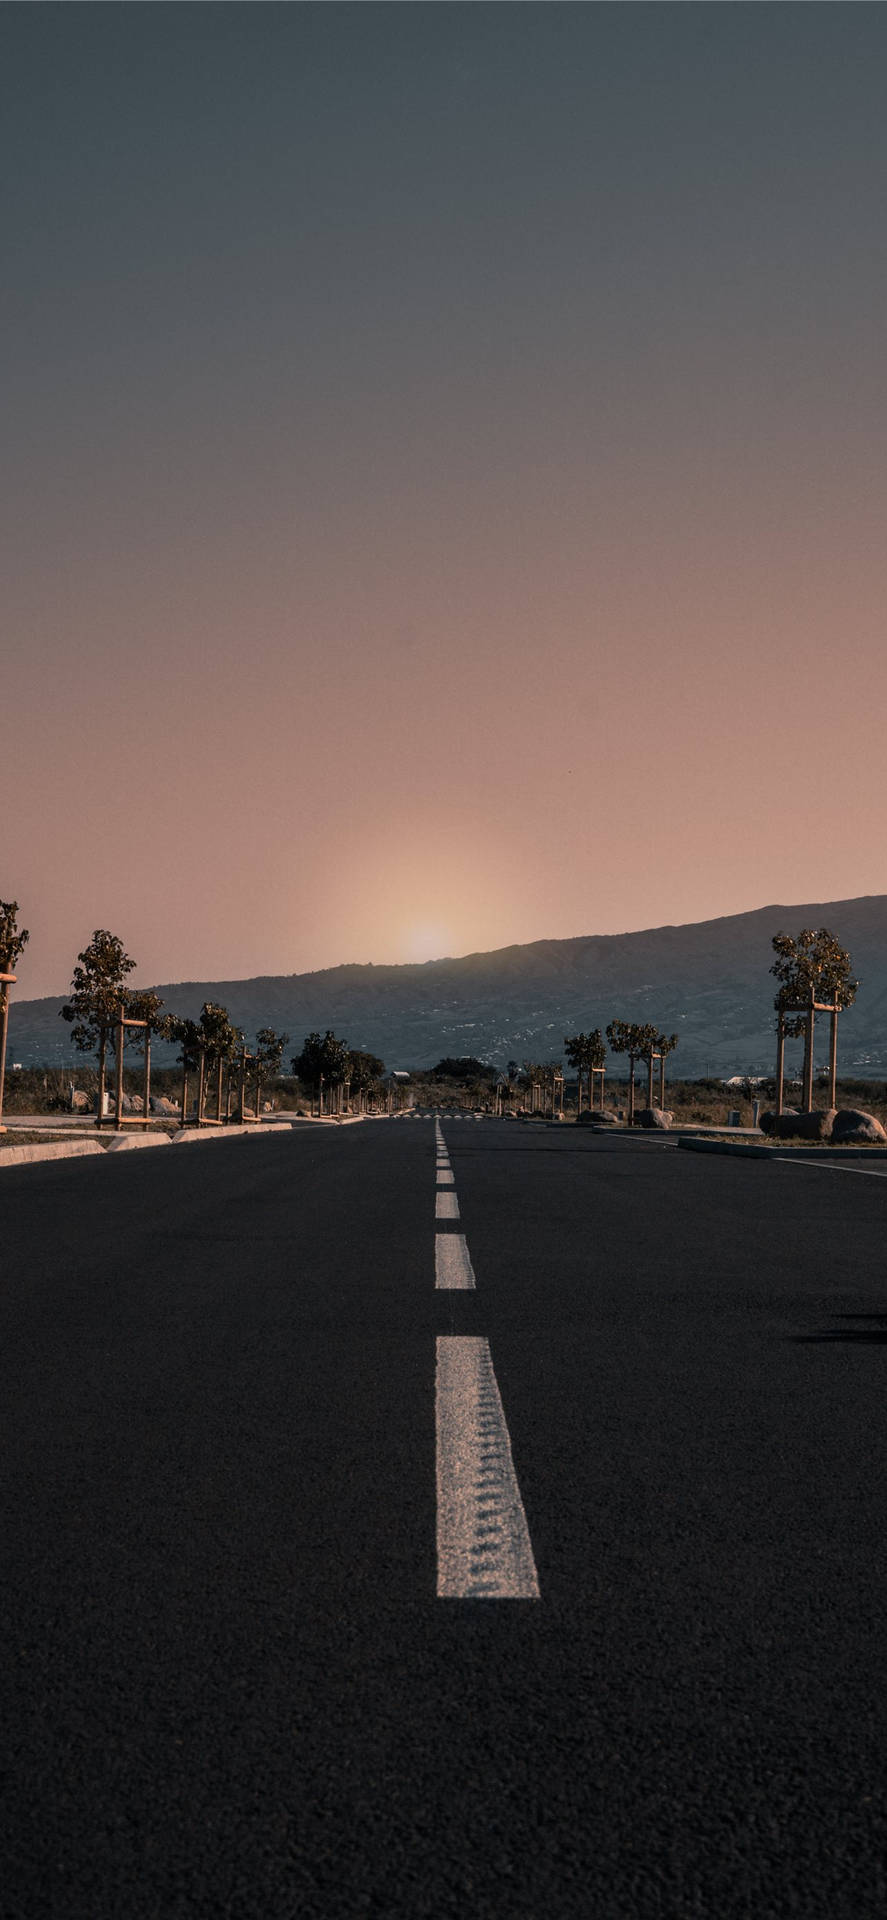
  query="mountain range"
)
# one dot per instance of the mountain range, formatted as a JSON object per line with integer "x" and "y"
{"x": 707, "y": 981}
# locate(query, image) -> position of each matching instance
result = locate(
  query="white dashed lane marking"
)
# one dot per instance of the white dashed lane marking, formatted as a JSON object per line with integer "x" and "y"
{"x": 483, "y": 1542}
{"x": 452, "y": 1266}
{"x": 446, "y": 1206}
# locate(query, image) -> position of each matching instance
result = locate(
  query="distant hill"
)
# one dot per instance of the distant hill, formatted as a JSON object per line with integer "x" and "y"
{"x": 708, "y": 981}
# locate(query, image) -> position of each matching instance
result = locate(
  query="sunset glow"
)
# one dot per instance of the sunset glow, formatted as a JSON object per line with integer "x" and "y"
{"x": 445, "y": 465}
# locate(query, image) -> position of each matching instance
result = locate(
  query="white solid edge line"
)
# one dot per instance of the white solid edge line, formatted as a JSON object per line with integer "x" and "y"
{"x": 828, "y": 1166}
{"x": 483, "y": 1541}
{"x": 452, "y": 1265}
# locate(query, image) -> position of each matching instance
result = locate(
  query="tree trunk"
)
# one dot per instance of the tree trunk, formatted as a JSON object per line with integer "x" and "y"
{"x": 219, "y": 1090}
{"x": 662, "y": 1082}
{"x": 631, "y": 1089}
{"x": 118, "y": 1107}
{"x": 780, "y": 1062}
{"x": 201, "y": 1086}
{"x": 650, "y": 1080}
{"x": 4, "y": 1021}
{"x": 103, "y": 1042}
{"x": 184, "y": 1093}
{"x": 833, "y": 1060}
{"x": 146, "y": 1106}
{"x": 808, "y": 1061}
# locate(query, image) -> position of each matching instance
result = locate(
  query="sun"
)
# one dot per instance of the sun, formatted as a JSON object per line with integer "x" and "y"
{"x": 427, "y": 940}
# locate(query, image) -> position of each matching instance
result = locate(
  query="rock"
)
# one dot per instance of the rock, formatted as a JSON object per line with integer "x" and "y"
{"x": 80, "y": 1102}
{"x": 767, "y": 1121}
{"x": 597, "y": 1117}
{"x": 790, "y": 1125}
{"x": 654, "y": 1117}
{"x": 160, "y": 1104}
{"x": 851, "y": 1124}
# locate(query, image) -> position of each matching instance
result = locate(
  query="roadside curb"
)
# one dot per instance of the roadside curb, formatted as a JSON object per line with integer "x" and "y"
{"x": 68, "y": 1150}
{"x": 188, "y": 1135}
{"x": 781, "y": 1152}
{"x": 125, "y": 1143}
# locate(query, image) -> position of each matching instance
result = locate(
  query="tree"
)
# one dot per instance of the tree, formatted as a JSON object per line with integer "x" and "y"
{"x": 534, "y": 1072}
{"x": 141, "y": 1005}
{"x": 322, "y": 1062}
{"x": 585, "y": 1052}
{"x": 665, "y": 1044}
{"x": 462, "y": 1069}
{"x": 12, "y": 945}
{"x": 813, "y": 971}
{"x": 637, "y": 1040}
{"x": 365, "y": 1071}
{"x": 186, "y": 1035}
{"x": 217, "y": 1045}
{"x": 269, "y": 1053}
{"x": 653, "y": 1044}
{"x": 98, "y": 997}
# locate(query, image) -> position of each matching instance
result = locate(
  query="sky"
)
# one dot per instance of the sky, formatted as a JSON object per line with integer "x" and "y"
{"x": 443, "y": 495}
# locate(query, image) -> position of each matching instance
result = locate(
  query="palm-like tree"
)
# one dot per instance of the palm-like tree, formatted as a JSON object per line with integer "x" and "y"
{"x": 586, "y": 1054}
{"x": 813, "y": 971}
{"x": 637, "y": 1040}
{"x": 665, "y": 1044}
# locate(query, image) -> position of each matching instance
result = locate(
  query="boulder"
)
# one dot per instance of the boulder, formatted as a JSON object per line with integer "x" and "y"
{"x": 654, "y": 1117}
{"x": 767, "y": 1121}
{"x": 597, "y": 1117}
{"x": 851, "y": 1125}
{"x": 790, "y": 1125}
{"x": 160, "y": 1104}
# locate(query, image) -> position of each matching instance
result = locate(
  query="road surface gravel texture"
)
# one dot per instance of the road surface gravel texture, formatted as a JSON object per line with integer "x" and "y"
{"x": 229, "y": 1685}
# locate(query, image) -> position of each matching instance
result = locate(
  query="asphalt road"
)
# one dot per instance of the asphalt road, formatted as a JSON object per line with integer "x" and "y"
{"x": 230, "y": 1685}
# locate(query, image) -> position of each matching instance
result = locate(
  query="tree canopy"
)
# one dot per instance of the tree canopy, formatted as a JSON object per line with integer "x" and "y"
{"x": 463, "y": 1068}
{"x": 811, "y": 965}
{"x": 218, "y": 1039}
{"x": 185, "y": 1034}
{"x": 364, "y": 1069}
{"x": 322, "y": 1060}
{"x": 637, "y": 1039}
{"x": 98, "y": 990}
{"x": 585, "y": 1050}
{"x": 13, "y": 940}
{"x": 269, "y": 1051}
